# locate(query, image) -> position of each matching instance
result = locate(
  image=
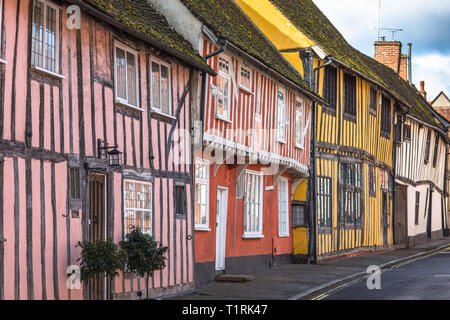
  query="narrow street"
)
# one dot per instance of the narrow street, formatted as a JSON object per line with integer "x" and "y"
{"x": 422, "y": 279}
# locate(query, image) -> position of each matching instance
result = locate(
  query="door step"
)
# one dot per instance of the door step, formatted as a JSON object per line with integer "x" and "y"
{"x": 233, "y": 278}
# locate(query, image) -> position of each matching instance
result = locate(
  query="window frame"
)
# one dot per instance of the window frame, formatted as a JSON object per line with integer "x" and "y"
{"x": 199, "y": 226}
{"x": 351, "y": 184}
{"x": 386, "y": 114}
{"x": 258, "y": 233}
{"x": 287, "y": 220}
{"x": 250, "y": 71}
{"x": 372, "y": 181}
{"x": 325, "y": 217}
{"x": 436, "y": 150}
{"x": 118, "y": 99}
{"x": 182, "y": 198}
{"x": 373, "y": 102}
{"x": 57, "y": 71}
{"x": 281, "y": 139}
{"x": 417, "y": 208}
{"x": 125, "y": 208}
{"x": 427, "y": 147}
{"x": 329, "y": 91}
{"x": 301, "y": 114}
{"x": 350, "y": 98}
{"x": 227, "y": 76}
{"x": 169, "y": 67}
{"x": 406, "y": 132}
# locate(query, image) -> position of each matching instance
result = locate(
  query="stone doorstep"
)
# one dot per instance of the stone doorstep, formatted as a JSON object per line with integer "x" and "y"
{"x": 233, "y": 278}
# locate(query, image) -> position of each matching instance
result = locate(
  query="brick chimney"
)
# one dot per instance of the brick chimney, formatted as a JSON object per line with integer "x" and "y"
{"x": 390, "y": 54}
{"x": 422, "y": 89}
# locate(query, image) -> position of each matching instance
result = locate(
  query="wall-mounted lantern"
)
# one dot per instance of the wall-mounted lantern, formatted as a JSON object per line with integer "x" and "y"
{"x": 113, "y": 155}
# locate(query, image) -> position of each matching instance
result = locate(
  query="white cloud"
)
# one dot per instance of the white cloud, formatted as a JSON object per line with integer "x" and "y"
{"x": 434, "y": 69}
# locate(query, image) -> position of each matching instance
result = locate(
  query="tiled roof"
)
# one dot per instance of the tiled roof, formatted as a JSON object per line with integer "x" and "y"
{"x": 308, "y": 18}
{"x": 139, "y": 16}
{"x": 227, "y": 21}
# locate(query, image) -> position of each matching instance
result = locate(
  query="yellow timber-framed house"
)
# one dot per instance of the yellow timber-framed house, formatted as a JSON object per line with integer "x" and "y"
{"x": 352, "y": 166}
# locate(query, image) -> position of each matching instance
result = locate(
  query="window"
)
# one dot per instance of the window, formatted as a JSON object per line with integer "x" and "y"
{"x": 283, "y": 208}
{"x": 160, "y": 87}
{"x": 324, "y": 204}
{"x": 427, "y": 147}
{"x": 45, "y": 36}
{"x": 406, "y": 132}
{"x": 373, "y": 101}
{"x": 253, "y": 204}
{"x": 299, "y": 125}
{"x": 281, "y": 117}
{"x": 75, "y": 183}
{"x": 299, "y": 215}
{"x": 245, "y": 79}
{"x": 350, "y": 95}
{"x": 1, "y": 16}
{"x": 372, "y": 182}
{"x": 126, "y": 76}
{"x": 223, "y": 90}
{"x": 201, "y": 194}
{"x": 350, "y": 197}
{"x": 436, "y": 149}
{"x": 138, "y": 206}
{"x": 330, "y": 86}
{"x": 385, "y": 116}
{"x": 180, "y": 201}
{"x": 416, "y": 220}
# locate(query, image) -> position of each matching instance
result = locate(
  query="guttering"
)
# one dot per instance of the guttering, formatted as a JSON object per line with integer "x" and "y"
{"x": 313, "y": 174}
{"x": 276, "y": 74}
{"x": 142, "y": 36}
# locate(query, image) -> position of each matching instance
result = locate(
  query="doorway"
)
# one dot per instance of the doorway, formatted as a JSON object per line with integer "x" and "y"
{"x": 97, "y": 228}
{"x": 401, "y": 216}
{"x": 221, "y": 227}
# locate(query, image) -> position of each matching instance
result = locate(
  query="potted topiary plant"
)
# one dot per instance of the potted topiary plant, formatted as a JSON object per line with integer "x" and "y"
{"x": 101, "y": 258}
{"x": 145, "y": 255}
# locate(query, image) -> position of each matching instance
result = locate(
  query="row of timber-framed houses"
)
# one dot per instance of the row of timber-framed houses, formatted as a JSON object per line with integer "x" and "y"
{"x": 117, "y": 75}
{"x": 359, "y": 138}
{"x": 254, "y": 117}
{"x": 242, "y": 134}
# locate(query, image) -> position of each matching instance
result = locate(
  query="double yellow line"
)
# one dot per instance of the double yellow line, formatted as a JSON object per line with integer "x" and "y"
{"x": 322, "y": 296}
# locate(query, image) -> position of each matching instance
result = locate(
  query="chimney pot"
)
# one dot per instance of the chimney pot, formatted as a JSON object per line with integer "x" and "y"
{"x": 422, "y": 85}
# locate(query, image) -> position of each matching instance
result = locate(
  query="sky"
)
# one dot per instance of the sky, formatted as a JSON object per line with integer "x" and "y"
{"x": 425, "y": 23}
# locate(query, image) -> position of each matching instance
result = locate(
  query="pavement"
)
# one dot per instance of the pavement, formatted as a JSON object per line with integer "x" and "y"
{"x": 304, "y": 281}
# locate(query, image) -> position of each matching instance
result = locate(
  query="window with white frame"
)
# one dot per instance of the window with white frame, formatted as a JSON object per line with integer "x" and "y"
{"x": 126, "y": 75}
{"x": 253, "y": 204}
{"x": 201, "y": 194}
{"x": 45, "y": 36}
{"x": 223, "y": 89}
{"x": 299, "y": 124}
{"x": 281, "y": 116}
{"x": 283, "y": 208}
{"x": 138, "y": 206}
{"x": 160, "y": 87}
{"x": 245, "y": 78}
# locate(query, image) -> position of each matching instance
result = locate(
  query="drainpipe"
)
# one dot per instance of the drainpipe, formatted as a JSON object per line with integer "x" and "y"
{"x": 313, "y": 174}
{"x": 223, "y": 44}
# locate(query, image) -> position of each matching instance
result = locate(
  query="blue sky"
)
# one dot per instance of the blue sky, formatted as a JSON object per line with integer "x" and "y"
{"x": 426, "y": 24}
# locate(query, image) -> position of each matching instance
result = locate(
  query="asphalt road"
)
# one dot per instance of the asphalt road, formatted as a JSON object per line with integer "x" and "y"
{"x": 423, "y": 279}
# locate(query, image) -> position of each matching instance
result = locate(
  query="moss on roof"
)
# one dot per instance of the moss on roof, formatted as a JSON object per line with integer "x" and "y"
{"x": 227, "y": 21}
{"x": 142, "y": 17}
{"x": 308, "y": 18}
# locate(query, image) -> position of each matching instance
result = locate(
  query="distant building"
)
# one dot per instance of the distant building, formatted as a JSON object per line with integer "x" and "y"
{"x": 442, "y": 105}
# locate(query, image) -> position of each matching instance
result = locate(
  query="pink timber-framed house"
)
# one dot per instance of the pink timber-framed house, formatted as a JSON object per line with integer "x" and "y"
{"x": 122, "y": 77}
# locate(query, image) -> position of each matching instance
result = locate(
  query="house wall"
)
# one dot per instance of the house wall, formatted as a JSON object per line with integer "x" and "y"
{"x": 49, "y": 124}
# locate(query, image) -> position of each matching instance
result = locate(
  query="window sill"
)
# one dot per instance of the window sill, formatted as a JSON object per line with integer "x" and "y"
{"x": 281, "y": 141}
{"x": 48, "y": 73}
{"x": 252, "y": 236}
{"x": 283, "y": 236}
{"x": 299, "y": 146}
{"x": 220, "y": 117}
{"x": 373, "y": 112}
{"x": 247, "y": 90}
{"x": 202, "y": 229}
{"x": 163, "y": 115}
{"x": 385, "y": 135}
{"x": 349, "y": 117}
{"x": 3, "y": 61}
{"x": 129, "y": 106}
